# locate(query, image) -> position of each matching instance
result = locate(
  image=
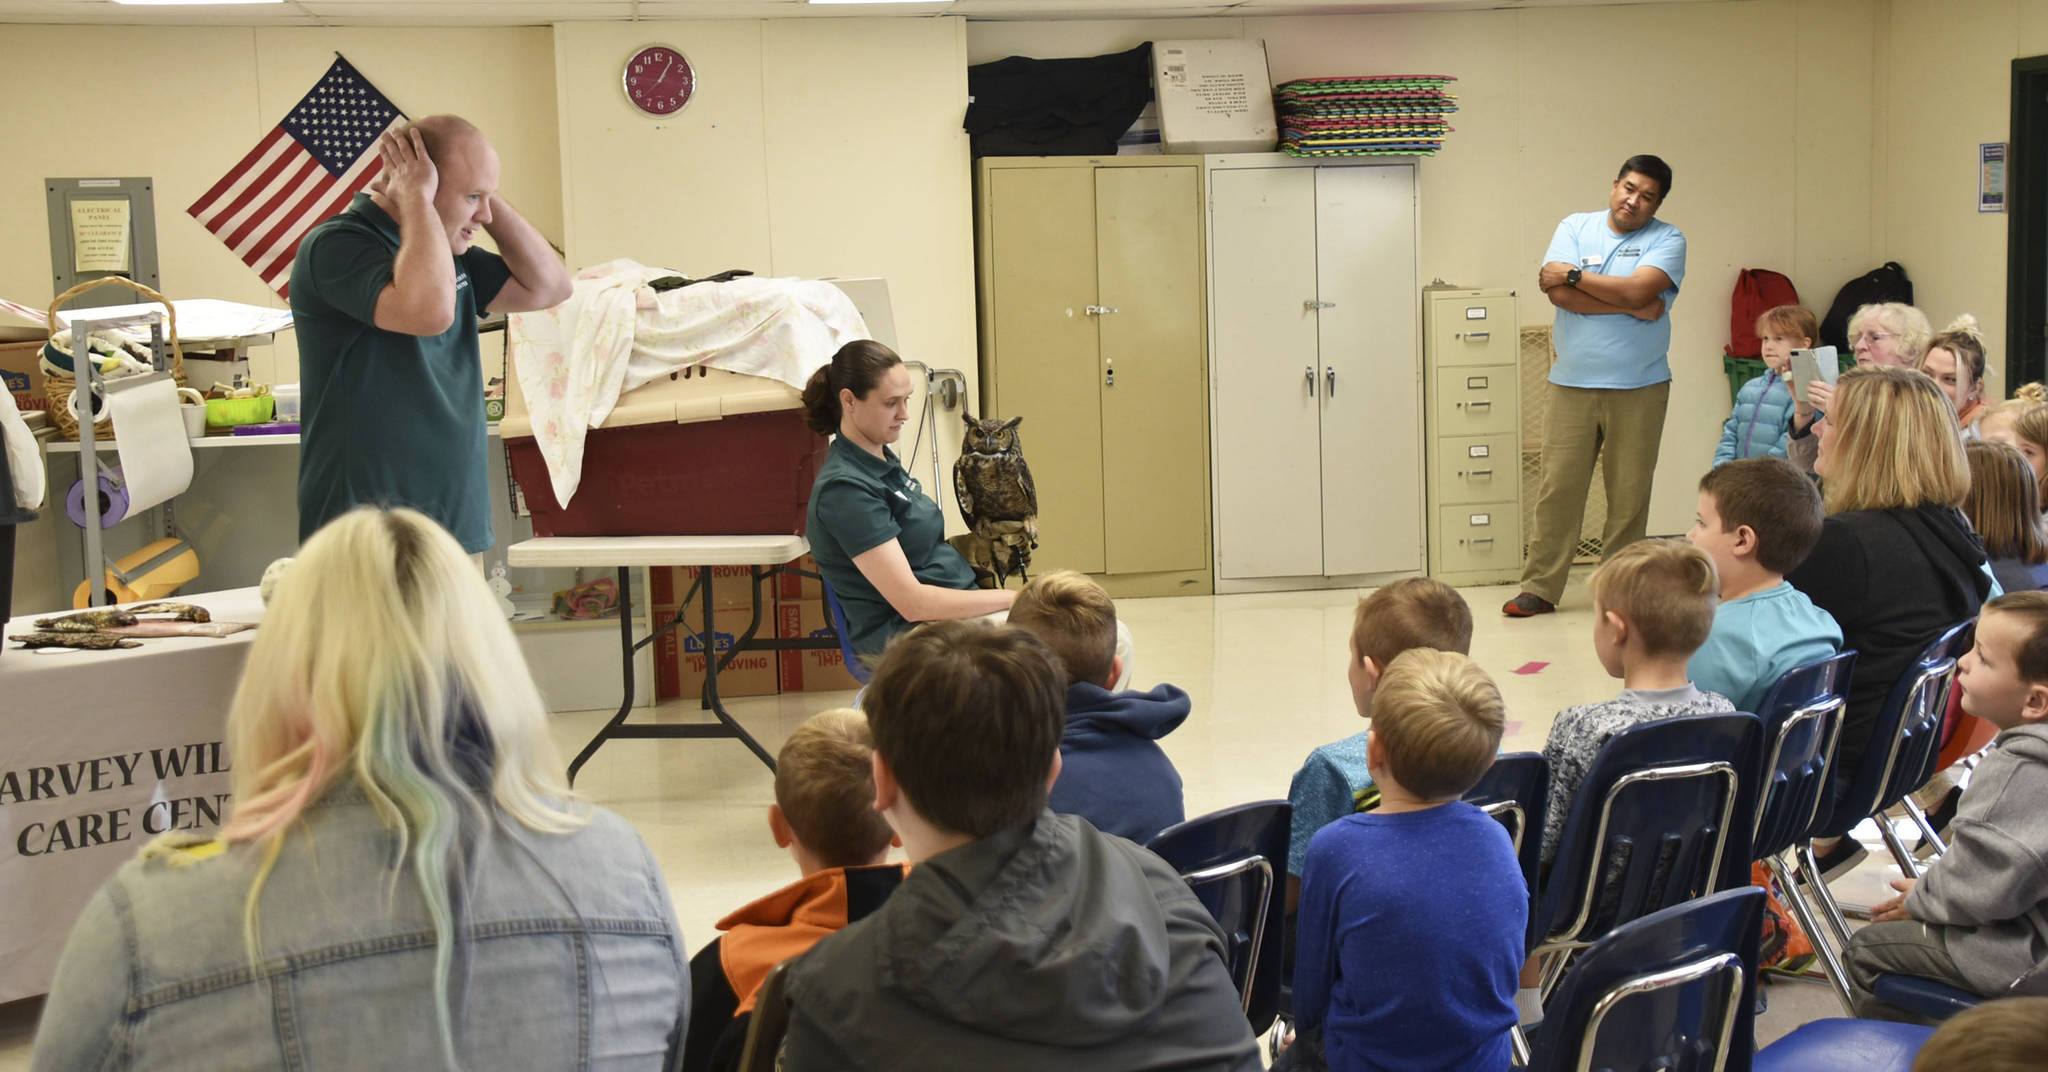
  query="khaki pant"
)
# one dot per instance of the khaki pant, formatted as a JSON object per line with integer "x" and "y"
{"x": 1583, "y": 426}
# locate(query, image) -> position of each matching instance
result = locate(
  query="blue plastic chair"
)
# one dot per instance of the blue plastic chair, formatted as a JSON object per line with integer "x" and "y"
{"x": 1670, "y": 990}
{"x": 1936, "y": 1001}
{"x": 855, "y": 665}
{"x": 1905, "y": 745}
{"x": 1235, "y": 860}
{"x": 1802, "y": 718}
{"x": 1516, "y": 791}
{"x": 1664, "y": 815}
{"x": 1845, "y": 1046}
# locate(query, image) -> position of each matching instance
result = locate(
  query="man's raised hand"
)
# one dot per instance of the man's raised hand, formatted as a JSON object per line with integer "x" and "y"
{"x": 409, "y": 173}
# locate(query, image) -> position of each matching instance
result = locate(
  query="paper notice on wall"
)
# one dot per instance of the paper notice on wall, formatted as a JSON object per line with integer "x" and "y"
{"x": 99, "y": 236}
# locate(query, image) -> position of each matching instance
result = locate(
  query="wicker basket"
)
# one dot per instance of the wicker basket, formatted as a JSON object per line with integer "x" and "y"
{"x": 60, "y": 386}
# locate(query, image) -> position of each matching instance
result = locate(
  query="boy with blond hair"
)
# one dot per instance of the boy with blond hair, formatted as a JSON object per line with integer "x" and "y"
{"x": 1112, "y": 771}
{"x": 1653, "y": 606}
{"x": 1413, "y": 915}
{"x": 1336, "y": 780}
{"x": 1758, "y": 519}
{"x": 1022, "y": 939}
{"x": 824, "y": 814}
{"x": 1978, "y": 918}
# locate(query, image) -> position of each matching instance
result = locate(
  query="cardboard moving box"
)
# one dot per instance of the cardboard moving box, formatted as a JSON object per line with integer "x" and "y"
{"x": 21, "y": 368}
{"x": 679, "y": 662}
{"x": 808, "y": 671}
{"x": 1214, "y": 97}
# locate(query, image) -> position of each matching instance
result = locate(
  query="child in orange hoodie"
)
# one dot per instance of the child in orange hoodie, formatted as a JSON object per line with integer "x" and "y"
{"x": 824, "y": 814}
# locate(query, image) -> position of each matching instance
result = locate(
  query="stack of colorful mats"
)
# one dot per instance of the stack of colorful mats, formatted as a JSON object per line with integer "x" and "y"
{"x": 1371, "y": 115}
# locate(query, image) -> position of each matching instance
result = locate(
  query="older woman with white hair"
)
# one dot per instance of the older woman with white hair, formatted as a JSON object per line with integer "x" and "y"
{"x": 1888, "y": 333}
{"x": 405, "y": 881}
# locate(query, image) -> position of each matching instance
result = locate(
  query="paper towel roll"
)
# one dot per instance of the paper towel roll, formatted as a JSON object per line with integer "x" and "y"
{"x": 156, "y": 458}
{"x": 114, "y": 504}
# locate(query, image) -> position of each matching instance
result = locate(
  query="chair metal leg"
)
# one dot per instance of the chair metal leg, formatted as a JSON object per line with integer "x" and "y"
{"x": 1809, "y": 870}
{"x": 1900, "y": 853}
{"x": 1919, "y": 816}
{"x": 1519, "y": 1043}
{"x": 1831, "y": 963}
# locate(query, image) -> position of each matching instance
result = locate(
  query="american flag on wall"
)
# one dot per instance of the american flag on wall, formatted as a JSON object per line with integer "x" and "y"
{"x": 304, "y": 171}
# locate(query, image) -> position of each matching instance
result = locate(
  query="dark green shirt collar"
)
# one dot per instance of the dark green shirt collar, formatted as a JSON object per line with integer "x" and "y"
{"x": 887, "y": 468}
{"x": 366, "y": 206}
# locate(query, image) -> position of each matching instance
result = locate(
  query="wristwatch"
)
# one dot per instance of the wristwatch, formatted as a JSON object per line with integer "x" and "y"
{"x": 1572, "y": 277}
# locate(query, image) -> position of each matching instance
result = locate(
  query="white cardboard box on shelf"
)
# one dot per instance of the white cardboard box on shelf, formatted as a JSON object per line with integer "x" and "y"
{"x": 1214, "y": 96}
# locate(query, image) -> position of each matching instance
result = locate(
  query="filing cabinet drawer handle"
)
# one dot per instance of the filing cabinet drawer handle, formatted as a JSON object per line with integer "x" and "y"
{"x": 1477, "y": 540}
{"x": 1478, "y": 473}
{"x": 1479, "y": 404}
{"x": 1473, "y": 336}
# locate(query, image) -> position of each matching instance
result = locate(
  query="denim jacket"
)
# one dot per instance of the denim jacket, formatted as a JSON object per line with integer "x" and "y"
{"x": 577, "y": 961}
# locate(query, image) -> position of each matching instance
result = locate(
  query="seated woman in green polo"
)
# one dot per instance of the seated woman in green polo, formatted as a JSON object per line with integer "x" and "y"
{"x": 880, "y": 541}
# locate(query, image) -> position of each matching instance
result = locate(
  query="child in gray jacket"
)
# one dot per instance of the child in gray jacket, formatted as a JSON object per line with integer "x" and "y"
{"x": 1978, "y": 917}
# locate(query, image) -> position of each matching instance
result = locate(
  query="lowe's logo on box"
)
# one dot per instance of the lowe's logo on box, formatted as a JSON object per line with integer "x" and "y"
{"x": 694, "y": 642}
{"x": 15, "y": 381}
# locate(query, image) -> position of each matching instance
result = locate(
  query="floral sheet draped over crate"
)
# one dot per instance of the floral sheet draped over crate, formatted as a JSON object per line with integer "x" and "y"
{"x": 616, "y": 333}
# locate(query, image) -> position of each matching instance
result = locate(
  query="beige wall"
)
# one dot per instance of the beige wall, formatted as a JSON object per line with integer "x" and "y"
{"x": 186, "y": 103}
{"x": 1947, "y": 85}
{"x": 1553, "y": 99}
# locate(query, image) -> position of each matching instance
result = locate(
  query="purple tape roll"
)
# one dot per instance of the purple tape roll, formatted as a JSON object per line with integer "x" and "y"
{"x": 113, "y": 500}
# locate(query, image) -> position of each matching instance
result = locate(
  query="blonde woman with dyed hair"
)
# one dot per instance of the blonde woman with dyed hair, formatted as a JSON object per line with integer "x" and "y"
{"x": 1897, "y": 561}
{"x": 404, "y": 881}
{"x": 1956, "y": 360}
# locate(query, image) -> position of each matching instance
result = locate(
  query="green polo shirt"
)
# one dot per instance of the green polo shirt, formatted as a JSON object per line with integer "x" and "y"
{"x": 859, "y": 503}
{"x": 388, "y": 418}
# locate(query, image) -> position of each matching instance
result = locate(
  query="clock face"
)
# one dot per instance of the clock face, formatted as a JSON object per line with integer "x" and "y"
{"x": 659, "y": 81}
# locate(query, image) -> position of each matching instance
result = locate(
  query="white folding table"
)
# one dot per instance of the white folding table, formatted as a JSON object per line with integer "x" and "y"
{"x": 764, "y": 555}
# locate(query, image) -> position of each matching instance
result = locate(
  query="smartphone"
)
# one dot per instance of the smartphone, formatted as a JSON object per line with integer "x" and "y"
{"x": 1810, "y": 365}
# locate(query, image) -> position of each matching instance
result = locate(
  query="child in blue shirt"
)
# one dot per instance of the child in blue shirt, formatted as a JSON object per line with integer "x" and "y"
{"x": 1334, "y": 781}
{"x": 1112, "y": 771}
{"x": 1762, "y": 418}
{"x": 1413, "y": 915}
{"x": 1757, "y": 520}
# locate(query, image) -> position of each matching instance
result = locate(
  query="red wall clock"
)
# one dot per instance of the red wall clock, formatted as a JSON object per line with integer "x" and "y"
{"x": 658, "y": 80}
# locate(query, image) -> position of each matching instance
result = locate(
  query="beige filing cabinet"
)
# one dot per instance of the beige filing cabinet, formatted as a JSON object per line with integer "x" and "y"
{"x": 1472, "y": 384}
{"x": 1318, "y": 396}
{"x": 1092, "y": 330}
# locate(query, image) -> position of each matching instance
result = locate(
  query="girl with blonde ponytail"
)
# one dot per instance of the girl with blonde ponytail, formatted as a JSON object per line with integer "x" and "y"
{"x": 405, "y": 880}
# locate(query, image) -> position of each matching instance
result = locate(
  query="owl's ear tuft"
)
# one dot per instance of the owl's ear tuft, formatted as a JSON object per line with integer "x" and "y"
{"x": 1013, "y": 422}
{"x": 966, "y": 418}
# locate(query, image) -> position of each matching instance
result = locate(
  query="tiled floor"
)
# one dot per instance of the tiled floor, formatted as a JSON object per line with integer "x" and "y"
{"x": 1266, "y": 673}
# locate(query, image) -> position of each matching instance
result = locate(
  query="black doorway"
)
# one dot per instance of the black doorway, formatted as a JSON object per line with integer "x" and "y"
{"x": 2026, "y": 297}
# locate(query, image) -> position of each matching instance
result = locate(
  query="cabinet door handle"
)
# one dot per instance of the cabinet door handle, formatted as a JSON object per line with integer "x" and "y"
{"x": 1309, "y": 371}
{"x": 1330, "y": 371}
{"x": 1100, "y": 310}
{"x": 1473, "y": 335}
{"x": 1314, "y": 304}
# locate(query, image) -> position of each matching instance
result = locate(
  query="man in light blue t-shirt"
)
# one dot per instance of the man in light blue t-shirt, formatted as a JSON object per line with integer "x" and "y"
{"x": 1613, "y": 276}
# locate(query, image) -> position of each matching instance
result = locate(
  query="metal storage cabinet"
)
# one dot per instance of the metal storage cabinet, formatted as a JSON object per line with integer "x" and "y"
{"x": 1473, "y": 377}
{"x": 1092, "y": 330}
{"x": 1318, "y": 394}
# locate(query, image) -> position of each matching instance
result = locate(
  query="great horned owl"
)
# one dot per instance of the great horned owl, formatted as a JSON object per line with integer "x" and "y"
{"x": 997, "y": 499}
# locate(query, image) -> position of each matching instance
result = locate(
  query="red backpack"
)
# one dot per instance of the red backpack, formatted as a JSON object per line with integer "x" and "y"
{"x": 1757, "y": 291}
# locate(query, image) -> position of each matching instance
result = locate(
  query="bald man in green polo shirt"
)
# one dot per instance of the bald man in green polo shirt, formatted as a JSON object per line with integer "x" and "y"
{"x": 385, "y": 299}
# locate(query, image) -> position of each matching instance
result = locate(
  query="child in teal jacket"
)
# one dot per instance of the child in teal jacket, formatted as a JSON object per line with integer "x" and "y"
{"x": 1762, "y": 417}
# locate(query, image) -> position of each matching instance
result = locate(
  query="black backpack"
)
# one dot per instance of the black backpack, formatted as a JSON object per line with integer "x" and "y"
{"x": 1886, "y": 284}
